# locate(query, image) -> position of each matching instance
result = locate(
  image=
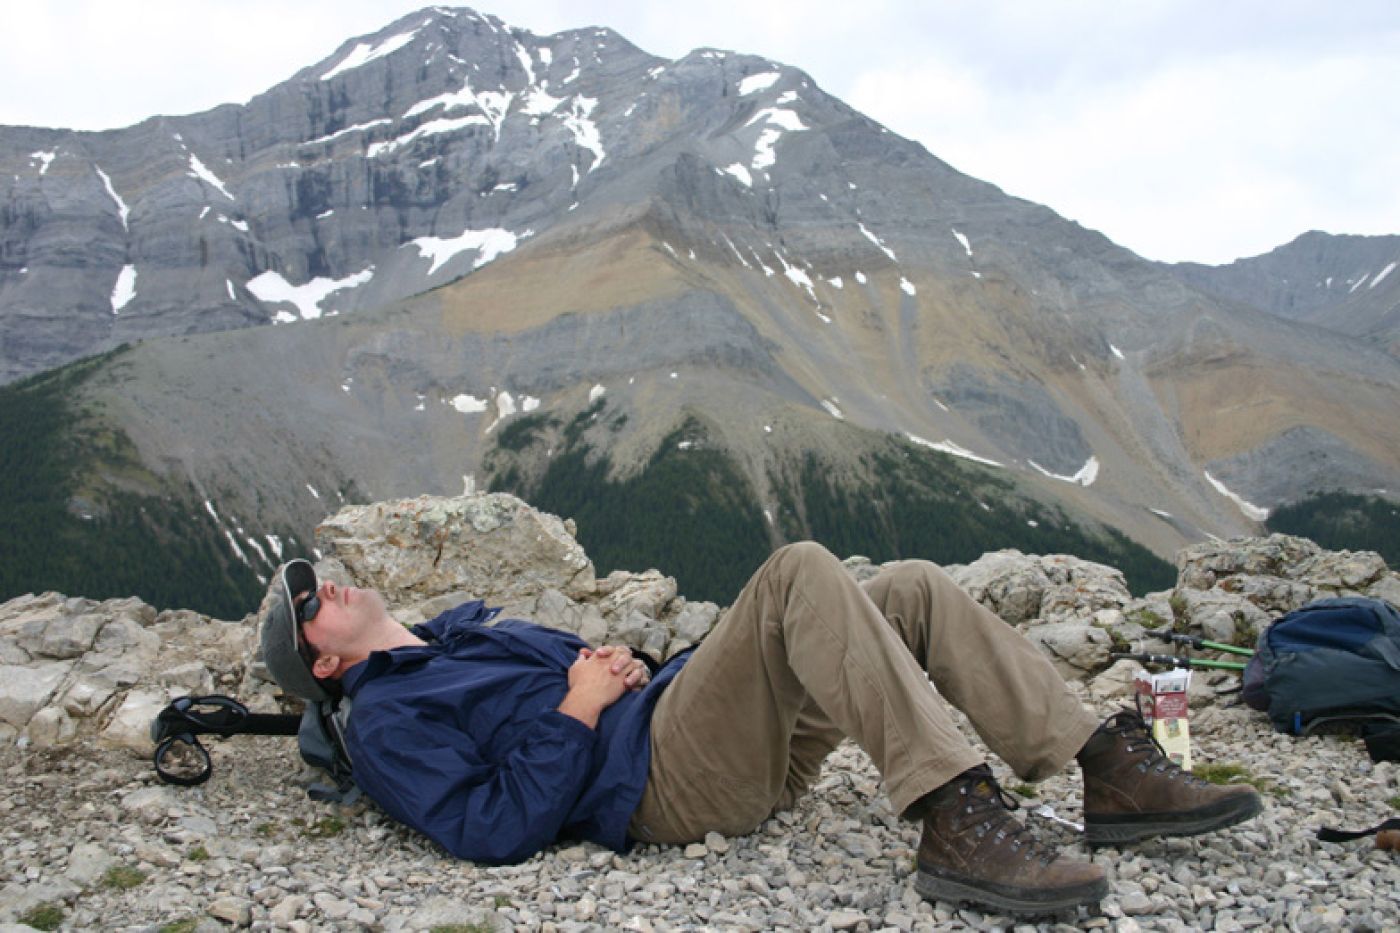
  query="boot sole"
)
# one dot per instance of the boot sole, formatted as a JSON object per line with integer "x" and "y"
{"x": 953, "y": 889}
{"x": 1130, "y": 828}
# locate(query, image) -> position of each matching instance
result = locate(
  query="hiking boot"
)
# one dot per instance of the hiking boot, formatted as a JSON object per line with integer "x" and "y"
{"x": 1133, "y": 791}
{"x": 974, "y": 850}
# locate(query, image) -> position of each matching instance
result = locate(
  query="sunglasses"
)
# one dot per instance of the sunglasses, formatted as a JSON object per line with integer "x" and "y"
{"x": 306, "y": 610}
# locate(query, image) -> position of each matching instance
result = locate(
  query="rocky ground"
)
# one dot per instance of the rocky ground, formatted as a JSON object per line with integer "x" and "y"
{"x": 93, "y": 841}
{"x": 91, "y": 832}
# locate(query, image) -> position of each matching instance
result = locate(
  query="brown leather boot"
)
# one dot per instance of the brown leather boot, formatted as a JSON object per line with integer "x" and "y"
{"x": 974, "y": 850}
{"x": 1132, "y": 791}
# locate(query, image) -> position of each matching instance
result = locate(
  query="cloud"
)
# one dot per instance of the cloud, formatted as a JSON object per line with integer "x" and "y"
{"x": 1206, "y": 159}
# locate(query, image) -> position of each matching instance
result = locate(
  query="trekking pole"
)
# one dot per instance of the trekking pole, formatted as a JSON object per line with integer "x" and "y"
{"x": 1178, "y": 661}
{"x": 1199, "y": 643}
{"x": 180, "y": 758}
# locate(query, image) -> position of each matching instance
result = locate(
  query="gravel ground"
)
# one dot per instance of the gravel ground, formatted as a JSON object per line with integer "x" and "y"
{"x": 92, "y": 834}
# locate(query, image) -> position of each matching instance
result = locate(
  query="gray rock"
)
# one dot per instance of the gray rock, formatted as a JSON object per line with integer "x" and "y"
{"x": 87, "y": 863}
{"x": 25, "y": 689}
{"x": 1075, "y": 648}
{"x": 235, "y": 911}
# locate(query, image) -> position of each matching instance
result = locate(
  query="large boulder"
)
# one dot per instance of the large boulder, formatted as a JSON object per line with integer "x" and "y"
{"x": 493, "y": 546}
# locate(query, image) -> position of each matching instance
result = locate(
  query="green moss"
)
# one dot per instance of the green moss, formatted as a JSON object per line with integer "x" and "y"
{"x": 1233, "y": 773}
{"x": 187, "y": 925}
{"x": 122, "y": 877}
{"x": 1394, "y": 802}
{"x": 325, "y": 827}
{"x": 199, "y": 854}
{"x": 268, "y": 829}
{"x": 1146, "y": 618}
{"x": 43, "y": 917}
{"x": 1023, "y": 790}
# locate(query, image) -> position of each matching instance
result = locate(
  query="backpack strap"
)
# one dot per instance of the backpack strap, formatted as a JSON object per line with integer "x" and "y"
{"x": 321, "y": 741}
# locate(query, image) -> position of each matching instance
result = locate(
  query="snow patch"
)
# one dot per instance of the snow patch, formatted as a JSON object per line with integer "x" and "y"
{"x": 274, "y": 543}
{"x": 363, "y": 53}
{"x": 596, "y": 393}
{"x": 579, "y": 122}
{"x": 1085, "y": 477}
{"x": 740, "y": 172}
{"x": 1382, "y": 274}
{"x": 907, "y": 286}
{"x": 44, "y": 157}
{"x": 836, "y": 282}
{"x": 489, "y": 244}
{"x": 1160, "y": 514}
{"x": 198, "y": 170}
{"x": 1250, "y": 510}
{"x": 777, "y": 121}
{"x": 357, "y": 128}
{"x": 538, "y": 102}
{"x": 431, "y": 128}
{"x": 1117, "y": 352}
{"x": 759, "y": 82}
{"x": 948, "y": 447}
{"x": 832, "y": 410}
{"x": 860, "y": 277}
{"x": 229, "y": 285}
{"x": 312, "y": 489}
{"x": 878, "y": 242}
{"x": 271, "y": 288}
{"x": 963, "y": 240}
{"x": 125, "y": 289}
{"x": 468, "y": 404}
{"x": 122, "y": 210}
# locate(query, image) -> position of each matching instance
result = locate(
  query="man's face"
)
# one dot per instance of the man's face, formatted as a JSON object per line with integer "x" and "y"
{"x": 345, "y": 617}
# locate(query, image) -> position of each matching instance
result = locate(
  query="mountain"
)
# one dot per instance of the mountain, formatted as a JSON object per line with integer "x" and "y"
{"x": 456, "y": 252}
{"x": 1348, "y": 284}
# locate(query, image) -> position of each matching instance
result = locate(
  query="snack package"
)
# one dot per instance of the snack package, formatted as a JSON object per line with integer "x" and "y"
{"x": 1162, "y": 699}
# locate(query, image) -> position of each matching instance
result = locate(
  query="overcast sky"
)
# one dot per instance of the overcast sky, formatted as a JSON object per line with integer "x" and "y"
{"x": 1196, "y": 130}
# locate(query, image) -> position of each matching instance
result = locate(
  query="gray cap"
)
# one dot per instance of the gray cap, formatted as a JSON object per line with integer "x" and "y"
{"x": 281, "y": 636}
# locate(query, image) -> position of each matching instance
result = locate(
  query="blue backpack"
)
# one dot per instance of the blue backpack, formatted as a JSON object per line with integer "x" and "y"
{"x": 1333, "y": 663}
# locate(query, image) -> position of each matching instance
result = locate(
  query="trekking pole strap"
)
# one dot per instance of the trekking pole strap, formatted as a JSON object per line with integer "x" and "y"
{"x": 1327, "y": 834}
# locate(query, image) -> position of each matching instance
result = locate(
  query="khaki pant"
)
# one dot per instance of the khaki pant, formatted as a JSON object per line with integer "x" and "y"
{"x": 806, "y": 656}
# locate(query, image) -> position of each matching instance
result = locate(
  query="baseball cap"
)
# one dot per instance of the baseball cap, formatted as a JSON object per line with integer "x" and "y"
{"x": 281, "y": 635}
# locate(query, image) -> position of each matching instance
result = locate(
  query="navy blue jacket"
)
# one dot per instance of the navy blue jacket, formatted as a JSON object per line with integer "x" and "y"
{"x": 462, "y": 739}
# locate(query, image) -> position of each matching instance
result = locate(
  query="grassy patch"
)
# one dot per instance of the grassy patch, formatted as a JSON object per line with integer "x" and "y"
{"x": 44, "y": 917}
{"x": 267, "y": 829}
{"x": 1232, "y": 773}
{"x": 1394, "y": 802}
{"x": 199, "y": 854}
{"x": 325, "y": 827}
{"x": 1146, "y": 618}
{"x": 122, "y": 877}
{"x": 188, "y": 925}
{"x": 1023, "y": 790}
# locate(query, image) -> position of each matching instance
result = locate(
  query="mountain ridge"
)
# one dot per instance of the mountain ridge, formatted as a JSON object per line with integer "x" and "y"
{"x": 474, "y": 223}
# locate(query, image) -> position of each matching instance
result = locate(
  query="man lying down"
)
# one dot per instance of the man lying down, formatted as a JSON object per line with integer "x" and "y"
{"x": 498, "y": 737}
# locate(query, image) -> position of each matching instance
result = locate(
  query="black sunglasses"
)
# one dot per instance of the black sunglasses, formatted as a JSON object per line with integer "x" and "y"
{"x": 306, "y": 610}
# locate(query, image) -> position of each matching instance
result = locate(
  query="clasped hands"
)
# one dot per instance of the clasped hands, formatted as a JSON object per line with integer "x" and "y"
{"x": 598, "y": 677}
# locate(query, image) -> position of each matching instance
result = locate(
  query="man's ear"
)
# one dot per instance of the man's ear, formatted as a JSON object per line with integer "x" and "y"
{"x": 326, "y": 667}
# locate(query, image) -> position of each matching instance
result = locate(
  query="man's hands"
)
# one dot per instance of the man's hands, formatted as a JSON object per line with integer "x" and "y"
{"x": 597, "y": 678}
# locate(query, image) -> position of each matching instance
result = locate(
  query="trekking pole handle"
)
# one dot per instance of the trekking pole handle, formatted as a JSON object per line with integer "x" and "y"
{"x": 1201, "y": 643}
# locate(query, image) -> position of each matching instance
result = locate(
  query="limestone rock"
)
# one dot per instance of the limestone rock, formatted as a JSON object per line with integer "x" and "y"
{"x": 1007, "y": 582}
{"x": 491, "y": 545}
{"x": 24, "y": 690}
{"x": 1075, "y": 648}
{"x": 130, "y": 727}
{"x": 1222, "y": 616}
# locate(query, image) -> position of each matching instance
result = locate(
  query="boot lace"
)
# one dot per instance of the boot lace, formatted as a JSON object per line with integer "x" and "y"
{"x": 985, "y": 809}
{"x": 1132, "y": 726}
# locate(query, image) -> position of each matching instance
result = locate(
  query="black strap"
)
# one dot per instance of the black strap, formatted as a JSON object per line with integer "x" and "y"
{"x": 1341, "y": 835}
